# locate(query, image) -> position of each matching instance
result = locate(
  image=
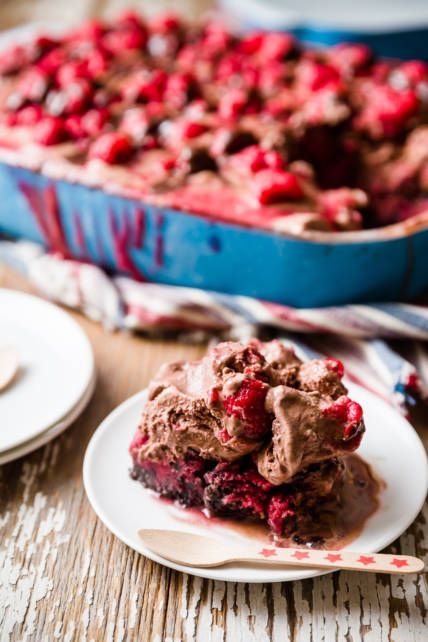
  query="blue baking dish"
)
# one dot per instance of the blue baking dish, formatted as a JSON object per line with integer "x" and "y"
{"x": 178, "y": 248}
{"x": 391, "y": 28}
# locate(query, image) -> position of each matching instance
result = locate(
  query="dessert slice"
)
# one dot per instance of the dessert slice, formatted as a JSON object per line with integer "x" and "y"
{"x": 251, "y": 432}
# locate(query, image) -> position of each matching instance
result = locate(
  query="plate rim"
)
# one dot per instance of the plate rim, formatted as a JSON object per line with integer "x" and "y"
{"x": 53, "y": 431}
{"x": 89, "y": 358}
{"x": 206, "y": 573}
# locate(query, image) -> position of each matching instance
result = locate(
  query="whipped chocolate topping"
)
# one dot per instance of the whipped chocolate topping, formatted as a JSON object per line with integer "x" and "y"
{"x": 257, "y": 399}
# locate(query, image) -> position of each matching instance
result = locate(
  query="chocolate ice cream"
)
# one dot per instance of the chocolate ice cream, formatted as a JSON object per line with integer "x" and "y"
{"x": 249, "y": 430}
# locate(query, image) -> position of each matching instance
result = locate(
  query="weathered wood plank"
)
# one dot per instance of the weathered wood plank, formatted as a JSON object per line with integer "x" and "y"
{"x": 63, "y": 576}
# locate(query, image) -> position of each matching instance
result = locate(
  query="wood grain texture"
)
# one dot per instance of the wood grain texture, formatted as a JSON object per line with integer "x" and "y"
{"x": 63, "y": 576}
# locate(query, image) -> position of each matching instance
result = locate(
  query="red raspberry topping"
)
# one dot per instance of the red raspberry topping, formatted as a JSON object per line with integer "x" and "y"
{"x": 280, "y": 512}
{"x": 192, "y": 129}
{"x": 90, "y": 31}
{"x": 70, "y": 72}
{"x": 274, "y": 186}
{"x": 94, "y": 120}
{"x": 349, "y": 57}
{"x": 415, "y": 71}
{"x": 52, "y": 61}
{"x": 336, "y": 366}
{"x": 232, "y": 103}
{"x": 49, "y": 131}
{"x": 349, "y": 414}
{"x": 135, "y": 123}
{"x": 97, "y": 63}
{"x": 387, "y": 111}
{"x": 33, "y": 85}
{"x": 146, "y": 87}
{"x": 276, "y": 46}
{"x": 248, "y": 405}
{"x": 118, "y": 41}
{"x": 30, "y": 115}
{"x": 254, "y": 158}
{"x": 317, "y": 76}
{"x": 138, "y": 440}
{"x": 165, "y": 23}
{"x": 112, "y": 147}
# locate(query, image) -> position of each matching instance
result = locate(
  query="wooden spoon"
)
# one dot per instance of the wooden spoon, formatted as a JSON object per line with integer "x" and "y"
{"x": 196, "y": 550}
{"x": 9, "y": 364}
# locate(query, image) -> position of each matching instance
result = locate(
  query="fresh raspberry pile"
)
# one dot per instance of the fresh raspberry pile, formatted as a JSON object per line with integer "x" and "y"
{"x": 279, "y": 128}
{"x": 248, "y": 405}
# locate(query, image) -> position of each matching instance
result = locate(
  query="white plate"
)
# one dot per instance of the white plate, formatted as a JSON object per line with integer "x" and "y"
{"x": 52, "y": 432}
{"x": 56, "y": 367}
{"x": 390, "y": 445}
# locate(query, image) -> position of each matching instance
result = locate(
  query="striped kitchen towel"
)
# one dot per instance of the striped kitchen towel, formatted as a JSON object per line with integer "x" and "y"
{"x": 361, "y": 335}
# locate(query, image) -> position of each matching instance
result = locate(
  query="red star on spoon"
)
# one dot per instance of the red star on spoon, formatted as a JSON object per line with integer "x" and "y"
{"x": 399, "y": 563}
{"x": 333, "y": 557}
{"x": 300, "y": 555}
{"x": 366, "y": 560}
{"x": 267, "y": 552}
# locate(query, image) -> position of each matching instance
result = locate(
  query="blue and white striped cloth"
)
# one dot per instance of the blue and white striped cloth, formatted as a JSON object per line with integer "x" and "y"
{"x": 363, "y": 336}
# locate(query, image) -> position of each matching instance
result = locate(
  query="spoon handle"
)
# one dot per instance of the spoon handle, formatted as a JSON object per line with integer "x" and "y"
{"x": 372, "y": 563}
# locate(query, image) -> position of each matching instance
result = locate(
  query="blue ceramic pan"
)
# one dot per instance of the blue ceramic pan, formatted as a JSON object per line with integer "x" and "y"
{"x": 179, "y": 248}
{"x": 392, "y": 28}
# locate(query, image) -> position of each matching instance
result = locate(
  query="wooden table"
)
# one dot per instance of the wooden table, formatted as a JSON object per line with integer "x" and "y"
{"x": 64, "y": 576}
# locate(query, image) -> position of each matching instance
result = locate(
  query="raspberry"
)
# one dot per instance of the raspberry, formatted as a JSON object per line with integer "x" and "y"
{"x": 349, "y": 414}
{"x": 116, "y": 42}
{"x": 93, "y": 121}
{"x": 254, "y": 159}
{"x": 97, "y": 63}
{"x": 274, "y": 186}
{"x": 276, "y": 46}
{"x": 130, "y": 19}
{"x": 70, "y": 72}
{"x": 280, "y": 514}
{"x": 232, "y": 103}
{"x": 73, "y": 126}
{"x": 349, "y": 57}
{"x": 49, "y": 131}
{"x": 138, "y": 440}
{"x": 317, "y": 76}
{"x": 248, "y": 405}
{"x": 112, "y": 147}
{"x": 135, "y": 123}
{"x": 73, "y": 99}
{"x": 33, "y": 85}
{"x": 30, "y": 115}
{"x": 165, "y": 23}
{"x": 52, "y": 61}
{"x": 336, "y": 366}
{"x": 180, "y": 88}
{"x": 251, "y": 43}
{"x": 192, "y": 129}
{"x": 146, "y": 87}
{"x": 90, "y": 124}
{"x": 386, "y": 111}
{"x": 90, "y": 31}
{"x": 415, "y": 71}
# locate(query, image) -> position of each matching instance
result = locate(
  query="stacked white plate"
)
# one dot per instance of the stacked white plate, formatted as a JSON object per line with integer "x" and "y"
{"x": 56, "y": 376}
